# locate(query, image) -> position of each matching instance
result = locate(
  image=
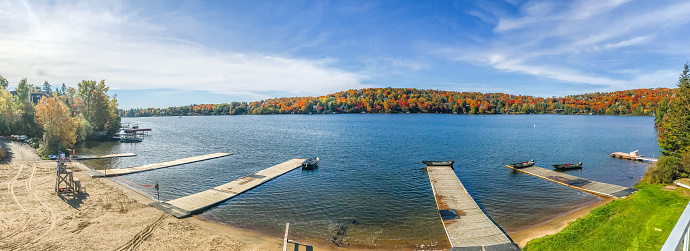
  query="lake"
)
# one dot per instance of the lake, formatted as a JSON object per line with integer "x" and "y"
{"x": 370, "y": 169}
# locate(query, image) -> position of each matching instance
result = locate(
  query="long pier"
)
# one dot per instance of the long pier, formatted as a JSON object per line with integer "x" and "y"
{"x": 123, "y": 171}
{"x": 195, "y": 203}
{"x": 107, "y": 156}
{"x": 467, "y": 227}
{"x": 593, "y": 187}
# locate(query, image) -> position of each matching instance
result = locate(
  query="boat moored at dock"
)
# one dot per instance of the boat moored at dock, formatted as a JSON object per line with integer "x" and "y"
{"x": 439, "y": 163}
{"x": 311, "y": 163}
{"x": 568, "y": 166}
{"x": 522, "y": 164}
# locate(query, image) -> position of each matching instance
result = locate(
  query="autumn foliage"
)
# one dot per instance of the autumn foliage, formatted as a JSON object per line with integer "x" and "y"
{"x": 58, "y": 126}
{"x": 639, "y": 102}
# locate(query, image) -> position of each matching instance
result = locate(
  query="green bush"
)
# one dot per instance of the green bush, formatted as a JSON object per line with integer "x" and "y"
{"x": 3, "y": 153}
{"x": 664, "y": 171}
{"x": 34, "y": 142}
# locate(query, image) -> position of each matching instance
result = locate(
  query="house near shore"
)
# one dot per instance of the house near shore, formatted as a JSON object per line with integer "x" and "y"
{"x": 34, "y": 97}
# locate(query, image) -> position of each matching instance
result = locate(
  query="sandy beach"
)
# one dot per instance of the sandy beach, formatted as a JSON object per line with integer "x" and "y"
{"x": 109, "y": 216}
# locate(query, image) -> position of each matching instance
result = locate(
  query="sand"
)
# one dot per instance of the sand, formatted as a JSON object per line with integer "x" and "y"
{"x": 109, "y": 216}
{"x": 555, "y": 224}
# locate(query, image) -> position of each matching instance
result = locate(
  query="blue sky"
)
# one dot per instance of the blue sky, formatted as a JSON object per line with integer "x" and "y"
{"x": 166, "y": 53}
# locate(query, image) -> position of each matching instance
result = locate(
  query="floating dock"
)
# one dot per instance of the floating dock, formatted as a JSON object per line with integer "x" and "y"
{"x": 593, "y": 187}
{"x": 467, "y": 227}
{"x": 628, "y": 156}
{"x": 107, "y": 156}
{"x": 123, "y": 171}
{"x": 195, "y": 203}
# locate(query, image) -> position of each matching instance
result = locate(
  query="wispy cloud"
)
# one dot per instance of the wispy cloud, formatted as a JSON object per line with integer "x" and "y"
{"x": 70, "y": 41}
{"x": 559, "y": 42}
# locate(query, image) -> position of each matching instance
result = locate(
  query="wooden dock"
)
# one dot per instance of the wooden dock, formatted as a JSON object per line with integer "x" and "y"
{"x": 593, "y": 187}
{"x": 467, "y": 227}
{"x": 628, "y": 156}
{"x": 195, "y": 203}
{"x": 107, "y": 156}
{"x": 123, "y": 171}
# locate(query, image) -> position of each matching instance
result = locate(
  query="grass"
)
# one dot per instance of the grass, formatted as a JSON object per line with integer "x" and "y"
{"x": 642, "y": 221}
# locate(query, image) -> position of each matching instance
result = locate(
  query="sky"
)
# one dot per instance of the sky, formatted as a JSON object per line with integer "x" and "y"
{"x": 173, "y": 53}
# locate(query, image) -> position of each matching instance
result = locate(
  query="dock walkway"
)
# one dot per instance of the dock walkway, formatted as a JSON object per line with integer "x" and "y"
{"x": 123, "y": 171}
{"x": 594, "y": 187}
{"x": 107, "y": 156}
{"x": 467, "y": 227}
{"x": 628, "y": 156}
{"x": 191, "y": 204}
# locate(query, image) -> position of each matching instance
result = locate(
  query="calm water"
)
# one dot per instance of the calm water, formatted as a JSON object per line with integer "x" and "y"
{"x": 370, "y": 167}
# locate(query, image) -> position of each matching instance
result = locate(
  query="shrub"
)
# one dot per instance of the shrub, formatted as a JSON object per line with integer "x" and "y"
{"x": 664, "y": 171}
{"x": 684, "y": 163}
{"x": 3, "y": 153}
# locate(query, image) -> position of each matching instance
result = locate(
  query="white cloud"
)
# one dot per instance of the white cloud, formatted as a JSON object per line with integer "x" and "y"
{"x": 586, "y": 42}
{"x": 69, "y": 42}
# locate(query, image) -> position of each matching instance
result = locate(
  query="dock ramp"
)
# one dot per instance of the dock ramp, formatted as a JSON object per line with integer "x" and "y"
{"x": 195, "y": 203}
{"x": 593, "y": 187}
{"x": 467, "y": 227}
{"x": 129, "y": 170}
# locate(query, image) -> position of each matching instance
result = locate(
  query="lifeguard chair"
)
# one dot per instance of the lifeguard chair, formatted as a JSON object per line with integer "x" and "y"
{"x": 65, "y": 182}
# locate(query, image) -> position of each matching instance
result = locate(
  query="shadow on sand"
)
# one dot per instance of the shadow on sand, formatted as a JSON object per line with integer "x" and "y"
{"x": 74, "y": 200}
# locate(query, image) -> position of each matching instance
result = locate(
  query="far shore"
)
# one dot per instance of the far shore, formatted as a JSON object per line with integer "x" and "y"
{"x": 109, "y": 215}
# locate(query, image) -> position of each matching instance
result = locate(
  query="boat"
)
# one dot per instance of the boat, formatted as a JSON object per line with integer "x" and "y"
{"x": 310, "y": 163}
{"x": 130, "y": 139}
{"x": 568, "y": 166}
{"x": 522, "y": 164}
{"x": 439, "y": 163}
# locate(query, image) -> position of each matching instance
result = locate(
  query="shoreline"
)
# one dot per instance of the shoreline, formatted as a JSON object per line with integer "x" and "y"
{"x": 556, "y": 223}
{"x": 97, "y": 211}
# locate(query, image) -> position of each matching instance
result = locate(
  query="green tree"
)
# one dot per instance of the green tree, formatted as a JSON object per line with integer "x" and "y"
{"x": 98, "y": 109}
{"x": 674, "y": 129}
{"x": 3, "y": 83}
{"x": 47, "y": 89}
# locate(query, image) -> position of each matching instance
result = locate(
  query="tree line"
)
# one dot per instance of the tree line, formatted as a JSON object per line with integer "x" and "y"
{"x": 56, "y": 120}
{"x": 639, "y": 102}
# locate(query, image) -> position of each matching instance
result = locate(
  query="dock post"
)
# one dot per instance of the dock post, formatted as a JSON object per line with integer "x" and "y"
{"x": 287, "y": 227}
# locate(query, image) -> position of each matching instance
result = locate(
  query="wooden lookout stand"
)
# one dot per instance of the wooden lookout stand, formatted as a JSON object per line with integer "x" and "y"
{"x": 65, "y": 182}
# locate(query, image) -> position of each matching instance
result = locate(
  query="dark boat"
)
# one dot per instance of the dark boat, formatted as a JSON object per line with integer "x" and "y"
{"x": 310, "y": 164}
{"x": 522, "y": 164}
{"x": 568, "y": 166}
{"x": 439, "y": 163}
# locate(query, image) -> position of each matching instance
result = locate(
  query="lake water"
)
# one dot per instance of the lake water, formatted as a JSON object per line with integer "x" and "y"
{"x": 370, "y": 169}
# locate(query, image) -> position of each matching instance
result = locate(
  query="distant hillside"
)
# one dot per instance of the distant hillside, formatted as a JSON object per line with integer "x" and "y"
{"x": 639, "y": 102}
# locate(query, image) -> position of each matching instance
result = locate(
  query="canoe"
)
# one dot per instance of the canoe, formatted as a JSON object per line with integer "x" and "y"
{"x": 568, "y": 166}
{"x": 522, "y": 164}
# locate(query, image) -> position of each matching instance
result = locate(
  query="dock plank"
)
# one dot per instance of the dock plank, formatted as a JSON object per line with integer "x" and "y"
{"x": 593, "y": 187}
{"x": 136, "y": 169}
{"x": 469, "y": 228}
{"x": 194, "y": 203}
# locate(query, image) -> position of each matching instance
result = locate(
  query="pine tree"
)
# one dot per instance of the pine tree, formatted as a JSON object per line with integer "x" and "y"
{"x": 674, "y": 129}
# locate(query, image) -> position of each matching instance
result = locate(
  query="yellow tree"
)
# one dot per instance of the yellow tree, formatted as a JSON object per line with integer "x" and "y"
{"x": 59, "y": 128}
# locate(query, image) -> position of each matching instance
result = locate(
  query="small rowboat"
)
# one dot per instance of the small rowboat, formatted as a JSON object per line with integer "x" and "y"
{"x": 568, "y": 166}
{"x": 439, "y": 163}
{"x": 522, "y": 164}
{"x": 310, "y": 164}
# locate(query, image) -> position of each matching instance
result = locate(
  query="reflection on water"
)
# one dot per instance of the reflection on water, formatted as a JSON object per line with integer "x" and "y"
{"x": 370, "y": 169}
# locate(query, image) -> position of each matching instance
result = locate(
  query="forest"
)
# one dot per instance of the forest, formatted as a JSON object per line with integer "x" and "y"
{"x": 638, "y": 102}
{"x": 55, "y": 119}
